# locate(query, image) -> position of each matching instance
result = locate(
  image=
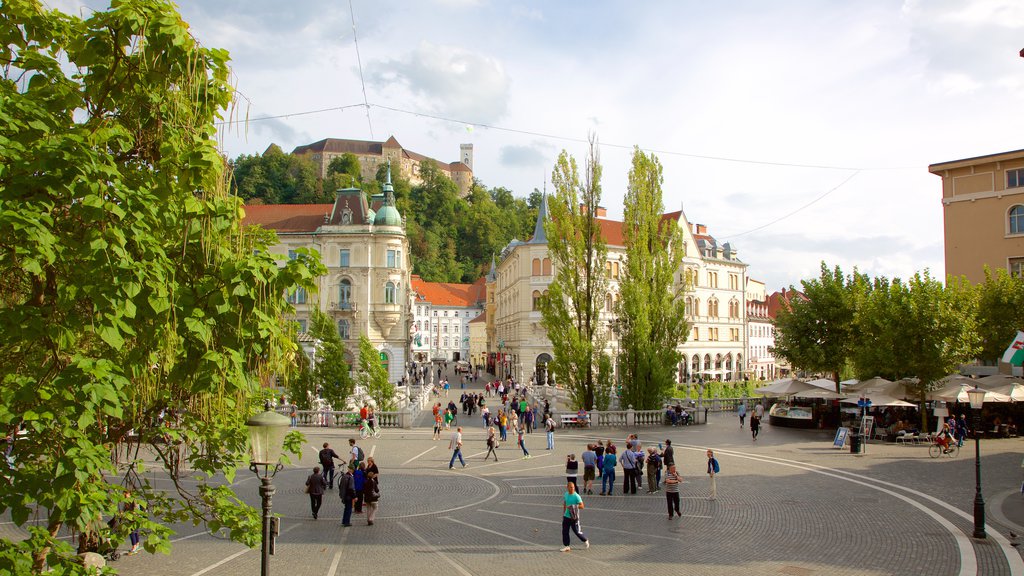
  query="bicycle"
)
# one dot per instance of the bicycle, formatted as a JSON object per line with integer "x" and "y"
{"x": 935, "y": 449}
{"x": 365, "y": 430}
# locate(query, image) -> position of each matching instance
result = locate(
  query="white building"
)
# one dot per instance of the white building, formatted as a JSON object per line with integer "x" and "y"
{"x": 760, "y": 333}
{"x": 442, "y": 313}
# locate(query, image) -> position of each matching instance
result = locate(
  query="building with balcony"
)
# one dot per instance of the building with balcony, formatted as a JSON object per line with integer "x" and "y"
{"x": 983, "y": 214}
{"x": 362, "y": 242}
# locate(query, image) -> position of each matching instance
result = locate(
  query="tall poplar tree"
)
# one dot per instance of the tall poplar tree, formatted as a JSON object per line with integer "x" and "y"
{"x": 571, "y": 311}
{"x": 651, "y": 311}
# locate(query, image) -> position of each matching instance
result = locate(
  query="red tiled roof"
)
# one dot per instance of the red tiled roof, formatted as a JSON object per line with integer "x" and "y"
{"x": 480, "y": 318}
{"x": 449, "y": 293}
{"x": 338, "y": 145}
{"x": 287, "y": 217}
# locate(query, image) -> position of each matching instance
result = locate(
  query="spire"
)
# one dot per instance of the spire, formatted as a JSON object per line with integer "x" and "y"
{"x": 389, "y": 190}
{"x": 539, "y": 237}
{"x": 493, "y": 274}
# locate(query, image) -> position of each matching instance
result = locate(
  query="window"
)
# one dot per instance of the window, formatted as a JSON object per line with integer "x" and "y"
{"x": 343, "y": 258}
{"x": 608, "y": 269}
{"x": 615, "y": 269}
{"x": 392, "y": 258}
{"x": 696, "y": 333}
{"x": 345, "y": 294}
{"x": 1017, "y": 267}
{"x": 1017, "y": 219}
{"x": 390, "y": 293}
{"x": 735, "y": 334}
{"x": 297, "y": 296}
{"x": 536, "y": 300}
{"x": 713, "y": 308}
{"x": 445, "y": 342}
{"x": 444, "y": 329}
{"x": 435, "y": 312}
{"x": 547, "y": 266}
{"x": 713, "y": 279}
{"x": 455, "y": 329}
{"x": 536, "y": 267}
{"x": 734, "y": 282}
{"x": 435, "y": 342}
{"x": 608, "y": 302}
{"x": 343, "y": 329}
{"x": 1015, "y": 178}
{"x": 689, "y": 306}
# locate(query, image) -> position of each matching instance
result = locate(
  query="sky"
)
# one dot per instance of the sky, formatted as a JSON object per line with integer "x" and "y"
{"x": 798, "y": 131}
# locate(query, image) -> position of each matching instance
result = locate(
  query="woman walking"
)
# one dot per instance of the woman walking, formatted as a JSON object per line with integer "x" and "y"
{"x": 608, "y": 472}
{"x": 371, "y": 494}
{"x": 522, "y": 443}
{"x": 572, "y": 503}
{"x": 492, "y": 444}
{"x": 315, "y": 485}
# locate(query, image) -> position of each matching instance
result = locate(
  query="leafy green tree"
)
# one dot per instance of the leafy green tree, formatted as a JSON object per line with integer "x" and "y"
{"x": 373, "y": 377}
{"x": 134, "y": 304}
{"x": 331, "y": 372}
{"x": 816, "y": 331}
{"x": 651, "y": 310}
{"x": 571, "y": 312}
{"x": 346, "y": 165}
{"x": 300, "y": 379}
{"x": 1000, "y": 313}
{"x": 276, "y": 177}
{"x": 917, "y": 328}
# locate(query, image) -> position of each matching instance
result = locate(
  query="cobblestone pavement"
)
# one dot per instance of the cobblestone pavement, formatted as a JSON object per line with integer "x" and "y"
{"x": 787, "y": 504}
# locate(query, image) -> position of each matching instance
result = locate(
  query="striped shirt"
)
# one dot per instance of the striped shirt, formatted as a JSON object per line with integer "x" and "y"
{"x": 672, "y": 481}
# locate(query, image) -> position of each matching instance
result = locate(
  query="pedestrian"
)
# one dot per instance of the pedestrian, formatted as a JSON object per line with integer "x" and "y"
{"x": 712, "y": 471}
{"x": 599, "y": 452}
{"x": 371, "y": 466}
{"x": 667, "y": 455}
{"x": 371, "y": 494}
{"x": 356, "y": 452}
{"x": 455, "y": 445}
{"x": 315, "y": 484}
{"x": 589, "y": 458}
{"x": 572, "y": 470}
{"x": 755, "y": 425}
{"x": 347, "y": 491}
{"x": 502, "y": 425}
{"x": 628, "y": 463}
{"x": 522, "y": 443}
{"x": 653, "y": 468}
{"x": 742, "y": 411}
{"x": 528, "y": 419}
{"x": 672, "y": 481}
{"x": 437, "y": 425}
{"x": 359, "y": 481}
{"x": 572, "y": 503}
{"x": 327, "y": 457}
{"x": 492, "y": 444}
{"x": 961, "y": 430}
{"x": 608, "y": 471}
{"x": 549, "y": 425}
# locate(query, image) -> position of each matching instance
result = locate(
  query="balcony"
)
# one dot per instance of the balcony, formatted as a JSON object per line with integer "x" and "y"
{"x": 349, "y": 307}
{"x": 386, "y": 316}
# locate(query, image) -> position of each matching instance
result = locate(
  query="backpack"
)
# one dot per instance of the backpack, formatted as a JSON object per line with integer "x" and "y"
{"x": 714, "y": 465}
{"x": 359, "y": 451}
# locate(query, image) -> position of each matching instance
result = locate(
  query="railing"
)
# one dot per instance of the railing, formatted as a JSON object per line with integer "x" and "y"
{"x": 338, "y": 419}
{"x": 344, "y": 306}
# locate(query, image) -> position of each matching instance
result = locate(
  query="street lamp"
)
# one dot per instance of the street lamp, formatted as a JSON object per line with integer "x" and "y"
{"x": 266, "y": 443}
{"x": 977, "y": 396}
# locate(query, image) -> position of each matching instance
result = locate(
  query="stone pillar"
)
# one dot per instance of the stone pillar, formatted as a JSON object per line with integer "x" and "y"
{"x": 405, "y": 417}
{"x": 630, "y": 416}
{"x": 593, "y": 416}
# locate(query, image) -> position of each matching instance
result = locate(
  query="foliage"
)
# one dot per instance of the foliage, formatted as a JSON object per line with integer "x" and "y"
{"x": 300, "y": 383}
{"x": 331, "y": 373}
{"x": 278, "y": 178}
{"x": 346, "y": 172}
{"x": 571, "y": 311}
{"x": 816, "y": 331}
{"x": 1000, "y": 313}
{"x": 373, "y": 377}
{"x": 131, "y": 298}
{"x": 651, "y": 312}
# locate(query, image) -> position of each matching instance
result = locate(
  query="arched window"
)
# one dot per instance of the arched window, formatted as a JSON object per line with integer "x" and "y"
{"x": 1017, "y": 219}
{"x": 696, "y": 306}
{"x": 689, "y": 306}
{"x": 547, "y": 266}
{"x": 713, "y": 308}
{"x": 707, "y": 362}
{"x": 536, "y": 266}
{"x": 390, "y": 293}
{"x": 536, "y": 299}
{"x": 343, "y": 329}
{"x": 345, "y": 294}
{"x": 607, "y": 302}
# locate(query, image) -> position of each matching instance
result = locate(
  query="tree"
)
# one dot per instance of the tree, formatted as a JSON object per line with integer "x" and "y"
{"x": 815, "y": 332}
{"x": 1000, "y": 313}
{"x": 651, "y": 311}
{"x": 373, "y": 377}
{"x": 571, "y": 311}
{"x": 347, "y": 166}
{"x": 134, "y": 305}
{"x": 331, "y": 372}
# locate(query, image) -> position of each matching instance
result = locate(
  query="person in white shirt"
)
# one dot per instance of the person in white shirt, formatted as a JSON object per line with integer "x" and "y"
{"x": 456, "y": 447}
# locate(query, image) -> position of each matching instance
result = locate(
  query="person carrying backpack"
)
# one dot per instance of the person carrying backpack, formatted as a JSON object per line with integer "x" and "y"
{"x": 653, "y": 468}
{"x": 712, "y": 471}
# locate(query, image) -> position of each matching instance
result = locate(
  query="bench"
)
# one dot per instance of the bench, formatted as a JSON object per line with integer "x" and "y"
{"x": 573, "y": 420}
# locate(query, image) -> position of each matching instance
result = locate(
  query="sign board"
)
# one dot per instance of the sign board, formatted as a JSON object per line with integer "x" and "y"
{"x": 868, "y": 426}
{"x": 841, "y": 434}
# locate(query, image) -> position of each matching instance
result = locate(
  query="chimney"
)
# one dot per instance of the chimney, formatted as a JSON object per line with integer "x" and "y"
{"x": 702, "y": 229}
{"x": 601, "y": 211}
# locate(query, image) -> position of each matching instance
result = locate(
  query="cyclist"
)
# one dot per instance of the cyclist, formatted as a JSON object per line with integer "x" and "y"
{"x": 944, "y": 438}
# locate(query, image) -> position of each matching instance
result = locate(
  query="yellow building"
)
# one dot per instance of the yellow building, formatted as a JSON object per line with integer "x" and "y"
{"x": 983, "y": 213}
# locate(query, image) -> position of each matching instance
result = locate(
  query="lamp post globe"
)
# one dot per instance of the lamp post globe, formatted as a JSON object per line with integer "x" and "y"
{"x": 977, "y": 398}
{"x": 266, "y": 445}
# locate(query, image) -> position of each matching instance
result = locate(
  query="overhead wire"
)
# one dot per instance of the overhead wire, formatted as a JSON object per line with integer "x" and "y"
{"x": 359, "y": 60}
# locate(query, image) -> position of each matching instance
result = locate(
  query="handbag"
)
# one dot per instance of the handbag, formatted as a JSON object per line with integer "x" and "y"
{"x": 574, "y": 513}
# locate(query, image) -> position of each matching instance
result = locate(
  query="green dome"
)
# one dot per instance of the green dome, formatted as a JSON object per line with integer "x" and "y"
{"x": 387, "y": 216}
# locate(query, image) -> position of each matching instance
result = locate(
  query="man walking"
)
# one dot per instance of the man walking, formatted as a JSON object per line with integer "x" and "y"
{"x": 672, "y": 481}
{"x": 549, "y": 425}
{"x": 455, "y": 445}
{"x": 327, "y": 458}
{"x": 347, "y": 491}
{"x": 589, "y": 458}
{"x": 667, "y": 455}
{"x": 742, "y": 411}
{"x": 572, "y": 503}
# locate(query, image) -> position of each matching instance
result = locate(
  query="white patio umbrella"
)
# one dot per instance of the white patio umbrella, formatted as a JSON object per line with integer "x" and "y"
{"x": 821, "y": 393}
{"x": 1003, "y": 384}
{"x": 879, "y": 400}
{"x": 824, "y": 383}
{"x": 958, "y": 393}
{"x": 876, "y": 383}
{"x": 784, "y": 387}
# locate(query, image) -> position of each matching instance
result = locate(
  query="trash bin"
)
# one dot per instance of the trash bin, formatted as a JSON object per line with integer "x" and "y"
{"x": 855, "y": 443}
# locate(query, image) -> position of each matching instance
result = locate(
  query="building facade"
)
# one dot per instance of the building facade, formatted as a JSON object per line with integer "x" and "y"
{"x": 983, "y": 214}
{"x": 712, "y": 274}
{"x": 372, "y": 155}
{"x": 366, "y": 252}
{"x": 760, "y": 333}
{"x": 443, "y": 312}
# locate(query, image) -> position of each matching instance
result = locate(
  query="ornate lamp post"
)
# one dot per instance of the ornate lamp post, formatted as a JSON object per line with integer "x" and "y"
{"x": 977, "y": 396}
{"x": 266, "y": 443}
